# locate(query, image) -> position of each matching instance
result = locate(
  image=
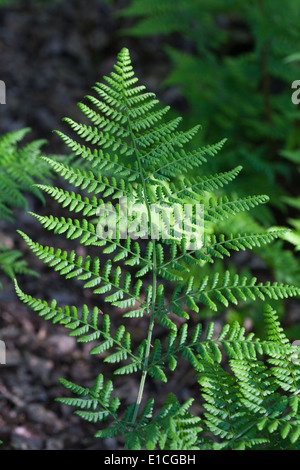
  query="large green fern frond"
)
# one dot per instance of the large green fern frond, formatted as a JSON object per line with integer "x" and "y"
{"x": 21, "y": 167}
{"x": 133, "y": 155}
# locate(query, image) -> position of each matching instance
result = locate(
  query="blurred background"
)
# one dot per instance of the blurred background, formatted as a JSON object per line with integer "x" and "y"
{"x": 228, "y": 65}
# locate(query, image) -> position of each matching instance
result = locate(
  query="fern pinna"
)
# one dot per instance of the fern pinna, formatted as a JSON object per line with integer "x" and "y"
{"x": 136, "y": 155}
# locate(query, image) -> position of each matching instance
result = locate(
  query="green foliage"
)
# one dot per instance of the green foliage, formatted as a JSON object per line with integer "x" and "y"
{"x": 20, "y": 168}
{"x": 234, "y": 63}
{"x": 12, "y": 263}
{"x": 235, "y": 76}
{"x": 132, "y": 152}
{"x": 200, "y": 22}
{"x": 257, "y": 415}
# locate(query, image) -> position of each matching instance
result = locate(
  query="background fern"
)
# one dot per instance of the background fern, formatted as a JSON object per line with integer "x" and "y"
{"x": 20, "y": 167}
{"x": 131, "y": 151}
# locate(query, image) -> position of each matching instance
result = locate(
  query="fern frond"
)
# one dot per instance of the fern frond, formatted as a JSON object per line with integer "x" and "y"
{"x": 88, "y": 270}
{"x": 223, "y": 207}
{"x": 286, "y": 372}
{"x": 12, "y": 263}
{"x": 96, "y": 404}
{"x": 131, "y": 149}
{"x": 87, "y": 326}
{"x": 21, "y": 167}
{"x": 256, "y": 403}
{"x": 231, "y": 289}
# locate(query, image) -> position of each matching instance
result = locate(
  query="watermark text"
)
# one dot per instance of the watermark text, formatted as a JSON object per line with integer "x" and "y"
{"x": 2, "y": 92}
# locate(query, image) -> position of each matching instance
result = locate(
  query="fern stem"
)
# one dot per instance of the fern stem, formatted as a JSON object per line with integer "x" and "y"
{"x": 148, "y": 343}
{"x": 154, "y": 284}
{"x": 154, "y": 288}
{"x": 146, "y": 361}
